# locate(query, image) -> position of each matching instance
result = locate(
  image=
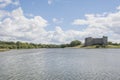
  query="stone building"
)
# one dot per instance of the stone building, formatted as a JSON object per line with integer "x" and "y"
{"x": 96, "y": 41}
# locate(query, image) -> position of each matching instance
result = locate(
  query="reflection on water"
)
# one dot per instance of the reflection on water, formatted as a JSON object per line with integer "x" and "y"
{"x": 60, "y": 64}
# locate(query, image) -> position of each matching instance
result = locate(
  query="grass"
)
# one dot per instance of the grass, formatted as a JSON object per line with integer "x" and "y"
{"x": 81, "y": 46}
{"x": 96, "y": 46}
{"x": 1, "y": 50}
{"x": 113, "y": 46}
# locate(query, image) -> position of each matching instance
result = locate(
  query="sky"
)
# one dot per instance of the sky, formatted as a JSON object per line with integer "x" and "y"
{"x": 59, "y": 21}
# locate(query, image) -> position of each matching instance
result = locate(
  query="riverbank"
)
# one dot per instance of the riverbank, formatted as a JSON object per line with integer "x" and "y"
{"x": 2, "y": 50}
{"x": 96, "y": 46}
{"x": 80, "y": 46}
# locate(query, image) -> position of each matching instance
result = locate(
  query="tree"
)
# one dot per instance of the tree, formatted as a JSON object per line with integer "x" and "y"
{"x": 18, "y": 44}
{"x": 110, "y": 43}
{"x": 75, "y": 43}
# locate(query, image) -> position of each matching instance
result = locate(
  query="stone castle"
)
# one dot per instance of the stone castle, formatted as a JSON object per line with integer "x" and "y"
{"x": 96, "y": 41}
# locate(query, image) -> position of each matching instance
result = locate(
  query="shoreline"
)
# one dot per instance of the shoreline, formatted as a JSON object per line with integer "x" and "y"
{"x": 75, "y": 47}
{"x": 97, "y": 47}
{"x": 2, "y": 50}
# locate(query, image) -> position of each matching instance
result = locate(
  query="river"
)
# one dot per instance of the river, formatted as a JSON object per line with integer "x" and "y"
{"x": 60, "y": 64}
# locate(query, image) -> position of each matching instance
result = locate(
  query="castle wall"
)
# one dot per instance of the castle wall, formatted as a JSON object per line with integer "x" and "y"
{"x": 95, "y": 41}
{"x": 88, "y": 41}
{"x": 105, "y": 40}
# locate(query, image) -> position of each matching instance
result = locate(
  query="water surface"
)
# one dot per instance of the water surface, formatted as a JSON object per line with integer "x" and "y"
{"x": 60, "y": 64}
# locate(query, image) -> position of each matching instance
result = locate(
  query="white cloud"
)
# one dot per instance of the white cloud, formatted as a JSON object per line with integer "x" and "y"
{"x": 118, "y": 8}
{"x": 50, "y": 2}
{"x": 98, "y": 25}
{"x": 57, "y": 21}
{"x": 79, "y": 22}
{"x": 4, "y": 3}
{"x": 3, "y": 14}
{"x": 61, "y": 36}
{"x": 15, "y": 26}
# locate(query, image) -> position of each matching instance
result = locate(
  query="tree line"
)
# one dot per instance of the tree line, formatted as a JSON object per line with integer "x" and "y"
{"x": 25, "y": 45}
{"x": 111, "y": 43}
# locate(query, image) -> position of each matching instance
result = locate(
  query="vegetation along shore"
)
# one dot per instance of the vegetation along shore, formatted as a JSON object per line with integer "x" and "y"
{"x": 5, "y": 45}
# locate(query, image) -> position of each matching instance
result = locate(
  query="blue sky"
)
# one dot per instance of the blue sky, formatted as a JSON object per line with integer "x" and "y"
{"x": 67, "y": 9}
{"x": 59, "y": 21}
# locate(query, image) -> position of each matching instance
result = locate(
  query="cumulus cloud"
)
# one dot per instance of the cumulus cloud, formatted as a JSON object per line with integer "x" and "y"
{"x": 17, "y": 27}
{"x": 14, "y": 26}
{"x": 102, "y": 24}
{"x": 61, "y": 36}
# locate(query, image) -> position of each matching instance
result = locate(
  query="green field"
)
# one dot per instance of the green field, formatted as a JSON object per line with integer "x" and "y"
{"x": 96, "y": 46}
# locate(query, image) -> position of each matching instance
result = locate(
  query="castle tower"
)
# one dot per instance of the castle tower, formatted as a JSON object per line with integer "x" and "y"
{"x": 88, "y": 41}
{"x": 105, "y": 40}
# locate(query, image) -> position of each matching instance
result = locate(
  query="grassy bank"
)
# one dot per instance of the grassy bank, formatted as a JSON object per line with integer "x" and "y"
{"x": 113, "y": 46}
{"x": 1, "y": 50}
{"x": 97, "y": 46}
{"x": 81, "y": 46}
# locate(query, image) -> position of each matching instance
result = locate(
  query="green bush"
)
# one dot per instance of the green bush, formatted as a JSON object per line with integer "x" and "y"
{"x": 75, "y": 43}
